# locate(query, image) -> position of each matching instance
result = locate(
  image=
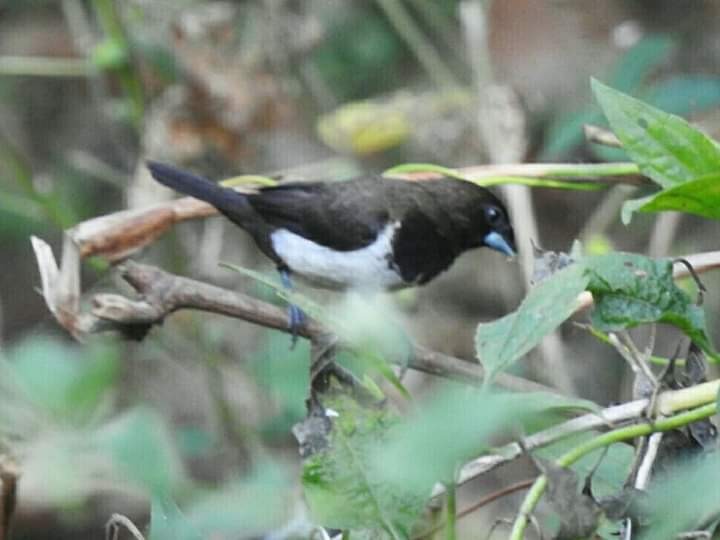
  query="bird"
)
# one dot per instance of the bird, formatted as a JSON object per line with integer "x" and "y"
{"x": 368, "y": 233}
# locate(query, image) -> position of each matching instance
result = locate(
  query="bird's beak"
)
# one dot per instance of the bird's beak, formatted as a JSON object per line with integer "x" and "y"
{"x": 496, "y": 241}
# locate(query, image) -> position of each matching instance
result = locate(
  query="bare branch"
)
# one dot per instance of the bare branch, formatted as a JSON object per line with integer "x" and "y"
{"x": 598, "y": 135}
{"x": 163, "y": 293}
{"x": 8, "y": 494}
{"x": 116, "y": 523}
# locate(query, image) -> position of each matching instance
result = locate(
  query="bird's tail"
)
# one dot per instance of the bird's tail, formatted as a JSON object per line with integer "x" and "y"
{"x": 226, "y": 200}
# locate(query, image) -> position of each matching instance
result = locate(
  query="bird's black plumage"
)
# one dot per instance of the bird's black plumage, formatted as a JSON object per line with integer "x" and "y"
{"x": 369, "y": 232}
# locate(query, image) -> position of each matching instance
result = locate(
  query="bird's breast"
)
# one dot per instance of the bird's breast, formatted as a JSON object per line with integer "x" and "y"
{"x": 369, "y": 267}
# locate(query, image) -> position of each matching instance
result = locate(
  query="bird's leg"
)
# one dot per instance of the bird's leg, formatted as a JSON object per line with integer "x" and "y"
{"x": 296, "y": 317}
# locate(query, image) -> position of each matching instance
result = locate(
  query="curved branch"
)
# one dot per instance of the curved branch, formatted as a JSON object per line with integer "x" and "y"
{"x": 163, "y": 293}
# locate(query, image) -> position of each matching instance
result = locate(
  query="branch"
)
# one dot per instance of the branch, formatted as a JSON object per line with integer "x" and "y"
{"x": 596, "y": 134}
{"x": 8, "y": 494}
{"x": 667, "y": 403}
{"x": 163, "y": 293}
{"x": 606, "y": 439}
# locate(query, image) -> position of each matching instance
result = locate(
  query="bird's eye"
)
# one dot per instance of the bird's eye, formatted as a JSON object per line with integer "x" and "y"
{"x": 493, "y": 215}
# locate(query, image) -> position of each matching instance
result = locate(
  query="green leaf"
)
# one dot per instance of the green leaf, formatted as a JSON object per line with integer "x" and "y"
{"x": 666, "y": 147}
{"x": 110, "y": 54}
{"x": 630, "y": 290}
{"x": 454, "y": 426}
{"x": 242, "y": 508}
{"x": 67, "y": 383}
{"x": 609, "y": 475}
{"x": 700, "y": 197}
{"x": 685, "y": 94}
{"x": 685, "y": 499}
{"x": 167, "y": 522}
{"x": 245, "y": 508}
{"x": 565, "y": 132}
{"x": 634, "y": 205}
{"x": 638, "y": 62}
{"x": 141, "y": 447}
{"x": 284, "y": 375}
{"x": 342, "y": 487}
{"x": 500, "y": 343}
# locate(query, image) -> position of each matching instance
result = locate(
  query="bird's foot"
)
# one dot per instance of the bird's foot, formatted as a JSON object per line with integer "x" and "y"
{"x": 296, "y": 317}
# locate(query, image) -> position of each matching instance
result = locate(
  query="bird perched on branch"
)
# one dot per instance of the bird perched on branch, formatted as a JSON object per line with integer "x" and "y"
{"x": 368, "y": 233}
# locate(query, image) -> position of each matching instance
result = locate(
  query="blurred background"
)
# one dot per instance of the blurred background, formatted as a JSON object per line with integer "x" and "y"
{"x": 89, "y": 89}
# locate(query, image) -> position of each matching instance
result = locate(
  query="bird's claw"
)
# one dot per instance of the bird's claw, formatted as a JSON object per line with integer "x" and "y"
{"x": 296, "y": 318}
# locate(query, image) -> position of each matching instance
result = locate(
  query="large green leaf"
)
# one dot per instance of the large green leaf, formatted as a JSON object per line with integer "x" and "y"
{"x": 61, "y": 383}
{"x": 141, "y": 448}
{"x": 665, "y": 147}
{"x": 700, "y": 196}
{"x": 247, "y": 507}
{"x": 342, "y": 487}
{"x": 630, "y": 290}
{"x": 455, "y": 425}
{"x": 242, "y": 508}
{"x": 684, "y": 94}
{"x": 502, "y": 342}
{"x": 167, "y": 522}
{"x": 640, "y": 61}
{"x": 685, "y": 499}
{"x": 565, "y": 131}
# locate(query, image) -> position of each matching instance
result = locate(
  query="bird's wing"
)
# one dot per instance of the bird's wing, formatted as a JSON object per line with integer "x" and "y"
{"x": 339, "y": 215}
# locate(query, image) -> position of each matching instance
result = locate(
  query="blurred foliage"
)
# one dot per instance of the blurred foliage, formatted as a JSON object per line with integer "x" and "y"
{"x": 67, "y": 412}
{"x": 284, "y": 374}
{"x": 238, "y": 509}
{"x": 361, "y": 56}
{"x": 684, "y": 499}
{"x": 56, "y": 413}
{"x": 634, "y": 74}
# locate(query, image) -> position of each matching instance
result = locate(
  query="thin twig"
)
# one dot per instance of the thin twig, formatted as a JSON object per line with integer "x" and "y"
{"x": 423, "y": 50}
{"x": 598, "y": 135}
{"x": 495, "y": 495}
{"x": 35, "y": 66}
{"x": 8, "y": 494}
{"x": 116, "y": 521}
{"x": 487, "y": 499}
{"x": 650, "y": 453}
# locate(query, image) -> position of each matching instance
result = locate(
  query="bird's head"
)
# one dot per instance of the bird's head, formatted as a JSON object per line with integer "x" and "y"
{"x": 498, "y": 232}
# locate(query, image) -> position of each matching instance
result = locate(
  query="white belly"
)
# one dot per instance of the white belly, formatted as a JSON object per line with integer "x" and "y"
{"x": 365, "y": 268}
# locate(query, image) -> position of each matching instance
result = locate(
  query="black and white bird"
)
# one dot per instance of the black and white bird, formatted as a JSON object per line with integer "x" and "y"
{"x": 369, "y": 233}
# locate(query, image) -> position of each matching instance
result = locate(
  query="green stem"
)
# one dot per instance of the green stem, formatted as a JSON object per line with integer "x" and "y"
{"x": 451, "y": 511}
{"x": 604, "y": 338}
{"x": 110, "y": 22}
{"x": 581, "y": 170}
{"x": 606, "y": 439}
{"x": 426, "y": 54}
{"x": 35, "y": 66}
{"x": 528, "y": 170}
{"x": 21, "y": 172}
{"x": 538, "y": 182}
